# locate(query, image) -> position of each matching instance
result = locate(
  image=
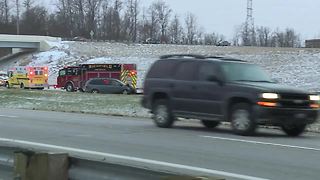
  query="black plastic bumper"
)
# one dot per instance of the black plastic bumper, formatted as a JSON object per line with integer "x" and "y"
{"x": 279, "y": 116}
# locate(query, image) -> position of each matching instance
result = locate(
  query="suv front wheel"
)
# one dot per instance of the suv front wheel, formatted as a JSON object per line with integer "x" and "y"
{"x": 210, "y": 124}
{"x": 162, "y": 114}
{"x": 242, "y": 121}
{"x": 294, "y": 129}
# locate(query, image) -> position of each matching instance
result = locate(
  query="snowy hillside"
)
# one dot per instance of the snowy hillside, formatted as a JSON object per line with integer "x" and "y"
{"x": 297, "y": 67}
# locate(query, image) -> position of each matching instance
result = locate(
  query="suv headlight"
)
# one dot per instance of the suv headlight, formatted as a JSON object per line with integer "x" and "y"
{"x": 314, "y": 97}
{"x": 270, "y": 96}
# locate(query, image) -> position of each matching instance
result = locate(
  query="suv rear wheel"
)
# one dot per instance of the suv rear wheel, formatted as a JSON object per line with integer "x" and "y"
{"x": 242, "y": 121}
{"x": 210, "y": 124}
{"x": 294, "y": 129}
{"x": 95, "y": 91}
{"x": 125, "y": 92}
{"x": 162, "y": 114}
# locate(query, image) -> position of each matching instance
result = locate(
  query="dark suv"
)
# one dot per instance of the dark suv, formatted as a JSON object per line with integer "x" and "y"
{"x": 216, "y": 89}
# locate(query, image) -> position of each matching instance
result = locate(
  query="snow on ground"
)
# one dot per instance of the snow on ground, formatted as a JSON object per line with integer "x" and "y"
{"x": 59, "y": 44}
{"x": 296, "y": 67}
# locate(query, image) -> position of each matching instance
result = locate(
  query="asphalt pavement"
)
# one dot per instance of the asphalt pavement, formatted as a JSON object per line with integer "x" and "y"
{"x": 187, "y": 147}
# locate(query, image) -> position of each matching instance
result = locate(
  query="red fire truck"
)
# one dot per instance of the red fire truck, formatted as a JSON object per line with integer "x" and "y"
{"x": 74, "y": 78}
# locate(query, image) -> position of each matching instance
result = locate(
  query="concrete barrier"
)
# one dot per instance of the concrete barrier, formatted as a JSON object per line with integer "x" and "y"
{"x": 23, "y": 164}
{"x": 40, "y": 166}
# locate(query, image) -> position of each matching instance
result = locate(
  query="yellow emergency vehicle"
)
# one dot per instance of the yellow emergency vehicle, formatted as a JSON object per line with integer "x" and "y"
{"x": 28, "y": 77}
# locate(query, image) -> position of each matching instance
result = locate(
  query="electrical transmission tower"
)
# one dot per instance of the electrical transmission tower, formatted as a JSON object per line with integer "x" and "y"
{"x": 249, "y": 38}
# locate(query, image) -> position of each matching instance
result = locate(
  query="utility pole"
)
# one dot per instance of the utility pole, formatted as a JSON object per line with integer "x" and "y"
{"x": 18, "y": 17}
{"x": 249, "y": 26}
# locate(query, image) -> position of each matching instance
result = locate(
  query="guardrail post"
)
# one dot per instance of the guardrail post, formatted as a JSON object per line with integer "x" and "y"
{"x": 40, "y": 166}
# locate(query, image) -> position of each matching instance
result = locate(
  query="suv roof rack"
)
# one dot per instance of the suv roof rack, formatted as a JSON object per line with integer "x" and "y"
{"x": 214, "y": 57}
{"x": 232, "y": 59}
{"x": 183, "y": 55}
{"x": 224, "y": 58}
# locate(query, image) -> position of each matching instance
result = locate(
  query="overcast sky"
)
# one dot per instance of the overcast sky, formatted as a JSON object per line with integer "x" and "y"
{"x": 223, "y": 16}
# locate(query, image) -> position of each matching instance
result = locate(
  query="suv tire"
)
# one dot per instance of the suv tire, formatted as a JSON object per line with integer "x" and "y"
{"x": 95, "y": 91}
{"x": 210, "y": 124}
{"x": 294, "y": 129}
{"x": 125, "y": 92}
{"x": 162, "y": 114}
{"x": 242, "y": 120}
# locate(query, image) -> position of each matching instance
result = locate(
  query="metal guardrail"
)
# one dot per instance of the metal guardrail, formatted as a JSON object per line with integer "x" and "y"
{"x": 82, "y": 169}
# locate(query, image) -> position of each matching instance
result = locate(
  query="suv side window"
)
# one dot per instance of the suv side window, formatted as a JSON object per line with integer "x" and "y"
{"x": 207, "y": 70}
{"x": 115, "y": 83}
{"x": 96, "y": 82}
{"x": 162, "y": 69}
{"x": 106, "y": 82}
{"x": 186, "y": 71}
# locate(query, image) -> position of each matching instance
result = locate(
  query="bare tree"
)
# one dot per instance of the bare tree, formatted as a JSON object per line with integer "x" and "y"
{"x": 80, "y": 20}
{"x": 163, "y": 12}
{"x": 213, "y": 38}
{"x": 18, "y": 16}
{"x": 248, "y": 36}
{"x": 131, "y": 19}
{"x": 264, "y": 36}
{"x": 200, "y": 36}
{"x": 28, "y": 4}
{"x": 286, "y": 38}
{"x": 145, "y": 27}
{"x": 292, "y": 39}
{"x": 176, "y": 30}
{"x": 4, "y": 11}
{"x": 236, "y": 40}
{"x": 111, "y": 21}
{"x": 93, "y": 11}
{"x": 117, "y": 19}
{"x": 66, "y": 17}
{"x": 153, "y": 23}
{"x": 34, "y": 21}
{"x": 191, "y": 27}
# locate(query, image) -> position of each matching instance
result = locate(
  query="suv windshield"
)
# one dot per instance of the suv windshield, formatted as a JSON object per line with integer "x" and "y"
{"x": 245, "y": 72}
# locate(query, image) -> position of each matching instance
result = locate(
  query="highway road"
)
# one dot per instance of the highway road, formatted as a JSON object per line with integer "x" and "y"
{"x": 188, "y": 147}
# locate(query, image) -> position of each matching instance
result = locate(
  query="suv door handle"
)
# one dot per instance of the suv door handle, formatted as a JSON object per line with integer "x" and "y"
{"x": 171, "y": 85}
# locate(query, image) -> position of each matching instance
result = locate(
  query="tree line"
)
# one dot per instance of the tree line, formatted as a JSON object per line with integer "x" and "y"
{"x": 266, "y": 37}
{"x": 125, "y": 20}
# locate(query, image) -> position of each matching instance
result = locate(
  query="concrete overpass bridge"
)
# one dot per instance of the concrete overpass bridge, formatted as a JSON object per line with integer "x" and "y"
{"x": 11, "y": 44}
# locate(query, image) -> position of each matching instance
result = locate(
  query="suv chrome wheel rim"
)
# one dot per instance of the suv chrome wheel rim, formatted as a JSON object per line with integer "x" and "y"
{"x": 161, "y": 114}
{"x": 241, "y": 119}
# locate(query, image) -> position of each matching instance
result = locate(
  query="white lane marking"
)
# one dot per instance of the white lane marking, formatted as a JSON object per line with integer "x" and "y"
{"x": 263, "y": 143}
{"x": 132, "y": 159}
{"x": 7, "y": 116}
